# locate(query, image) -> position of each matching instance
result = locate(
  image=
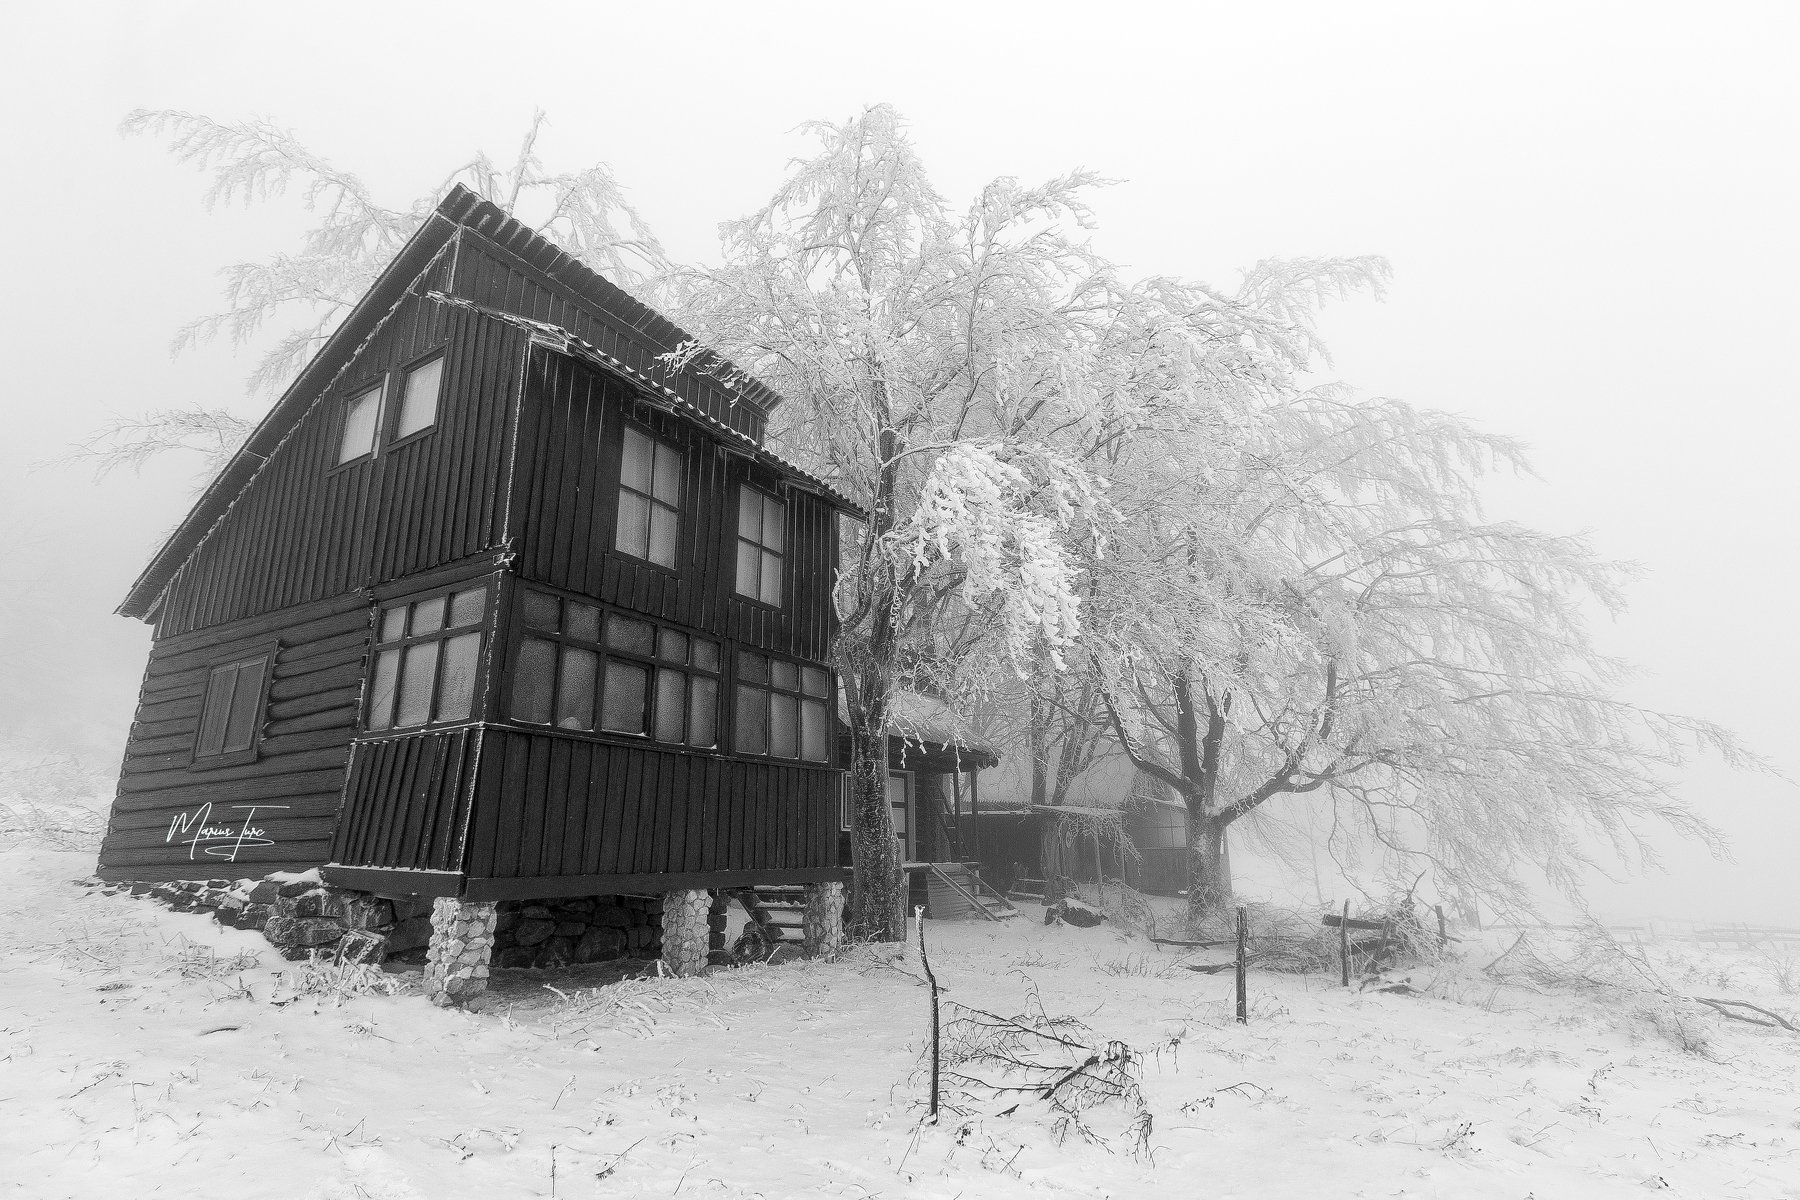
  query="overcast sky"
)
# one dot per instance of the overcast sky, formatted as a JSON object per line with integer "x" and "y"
{"x": 1593, "y": 213}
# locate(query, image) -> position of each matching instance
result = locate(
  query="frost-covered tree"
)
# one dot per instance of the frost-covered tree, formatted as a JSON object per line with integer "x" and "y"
{"x": 302, "y": 295}
{"x": 1306, "y": 603}
{"x": 951, "y": 371}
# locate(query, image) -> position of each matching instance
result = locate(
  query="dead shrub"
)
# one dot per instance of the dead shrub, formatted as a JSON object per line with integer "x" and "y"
{"x": 1084, "y": 1086}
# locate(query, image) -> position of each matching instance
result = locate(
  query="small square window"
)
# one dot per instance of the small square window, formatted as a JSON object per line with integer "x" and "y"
{"x": 362, "y": 416}
{"x": 231, "y": 712}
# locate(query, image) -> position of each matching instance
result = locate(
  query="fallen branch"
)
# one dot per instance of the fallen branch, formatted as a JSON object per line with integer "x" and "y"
{"x": 1724, "y": 1007}
{"x": 1194, "y": 945}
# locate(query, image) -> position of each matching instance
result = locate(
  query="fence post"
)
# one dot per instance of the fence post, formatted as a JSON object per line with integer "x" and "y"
{"x": 1243, "y": 1008}
{"x": 1443, "y": 937}
{"x": 1344, "y": 944}
{"x": 930, "y": 978}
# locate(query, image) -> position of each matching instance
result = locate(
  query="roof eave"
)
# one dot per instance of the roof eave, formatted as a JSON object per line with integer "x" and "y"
{"x": 142, "y": 598}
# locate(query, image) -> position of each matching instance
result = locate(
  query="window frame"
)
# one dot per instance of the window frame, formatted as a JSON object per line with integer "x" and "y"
{"x": 379, "y": 385}
{"x": 444, "y": 633}
{"x": 253, "y": 752}
{"x": 828, "y": 702}
{"x": 605, "y": 652}
{"x": 738, "y": 541}
{"x": 390, "y": 422}
{"x": 680, "y": 451}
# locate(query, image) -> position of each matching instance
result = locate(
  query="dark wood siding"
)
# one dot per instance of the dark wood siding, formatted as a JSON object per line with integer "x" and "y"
{"x": 550, "y": 806}
{"x": 304, "y": 528}
{"x": 566, "y": 499}
{"x": 298, "y": 776}
{"x": 407, "y": 800}
{"x": 493, "y": 275}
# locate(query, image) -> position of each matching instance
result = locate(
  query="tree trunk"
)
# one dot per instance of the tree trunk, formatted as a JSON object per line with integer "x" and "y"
{"x": 1209, "y": 870}
{"x": 878, "y": 891}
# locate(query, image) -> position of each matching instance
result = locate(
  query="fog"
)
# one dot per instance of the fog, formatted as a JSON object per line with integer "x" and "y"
{"x": 1590, "y": 214}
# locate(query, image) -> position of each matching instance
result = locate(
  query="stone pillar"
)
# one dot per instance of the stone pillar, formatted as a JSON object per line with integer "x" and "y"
{"x": 684, "y": 931}
{"x": 462, "y": 941}
{"x": 824, "y": 920}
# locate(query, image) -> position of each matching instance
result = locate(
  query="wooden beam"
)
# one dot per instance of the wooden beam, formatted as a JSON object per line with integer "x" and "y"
{"x": 385, "y": 881}
{"x": 649, "y": 884}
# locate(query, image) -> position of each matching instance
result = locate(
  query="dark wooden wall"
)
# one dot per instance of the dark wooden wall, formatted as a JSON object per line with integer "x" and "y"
{"x": 550, "y": 806}
{"x": 311, "y": 718}
{"x": 498, "y": 277}
{"x": 304, "y": 529}
{"x": 407, "y": 802}
{"x": 567, "y": 490}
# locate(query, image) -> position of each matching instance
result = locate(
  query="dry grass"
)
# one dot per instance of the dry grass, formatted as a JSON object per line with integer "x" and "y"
{"x": 321, "y": 977}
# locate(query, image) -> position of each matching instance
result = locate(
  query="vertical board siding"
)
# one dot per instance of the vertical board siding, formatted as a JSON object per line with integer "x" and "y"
{"x": 506, "y": 277}
{"x": 566, "y": 496}
{"x": 295, "y": 783}
{"x": 406, "y": 802}
{"x": 585, "y": 807}
{"x": 304, "y": 528}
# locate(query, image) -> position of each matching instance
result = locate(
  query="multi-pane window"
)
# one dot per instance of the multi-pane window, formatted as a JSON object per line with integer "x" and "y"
{"x": 581, "y": 668}
{"x": 231, "y": 714}
{"x": 762, "y": 521}
{"x": 362, "y": 417}
{"x": 780, "y": 708}
{"x": 419, "y": 398}
{"x": 649, "y": 522}
{"x": 427, "y": 657}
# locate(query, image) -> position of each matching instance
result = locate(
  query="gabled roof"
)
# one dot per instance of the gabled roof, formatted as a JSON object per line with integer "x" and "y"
{"x": 462, "y": 209}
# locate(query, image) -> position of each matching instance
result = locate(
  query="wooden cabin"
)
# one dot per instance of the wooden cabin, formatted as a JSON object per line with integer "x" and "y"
{"x": 494, "y": 604}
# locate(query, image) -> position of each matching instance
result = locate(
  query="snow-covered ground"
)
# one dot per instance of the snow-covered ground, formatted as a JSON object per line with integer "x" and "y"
{"x": 144, "y": 1053}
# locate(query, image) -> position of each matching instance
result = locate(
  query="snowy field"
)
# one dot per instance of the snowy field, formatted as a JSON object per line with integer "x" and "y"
{"x": 148, "y": 1053}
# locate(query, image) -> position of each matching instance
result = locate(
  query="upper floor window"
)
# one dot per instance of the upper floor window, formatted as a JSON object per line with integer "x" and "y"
{"x": 427, "y": 657}
{"x": 583, "y": 669}
{"x": 231, "y": 714}
{"x": 649, "y": 521}
{"x": 419, "y": 398}
{"x": 762, "y": 520}
{"x": 781, "y": 708}
{"x": 362, "y": 418}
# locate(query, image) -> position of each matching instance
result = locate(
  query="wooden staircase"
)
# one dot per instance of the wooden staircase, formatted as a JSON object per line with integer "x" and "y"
{"x": 778, "y": 912}
{"x": 954, "y": 892}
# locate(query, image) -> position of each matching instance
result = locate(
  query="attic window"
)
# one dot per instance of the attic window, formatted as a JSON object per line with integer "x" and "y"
{"x": 362, "y": 416}
{"x": 419, "y": 397}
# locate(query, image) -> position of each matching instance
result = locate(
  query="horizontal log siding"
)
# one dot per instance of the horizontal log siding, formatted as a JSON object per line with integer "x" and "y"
{"x": 496, "y": 276}
{"x": 303, "y": 529}
{"x": 305, "y": 744}
{"x": 407, "y": 801}
{"x": 549, "y": 806}
{"x": 567, "y": 500}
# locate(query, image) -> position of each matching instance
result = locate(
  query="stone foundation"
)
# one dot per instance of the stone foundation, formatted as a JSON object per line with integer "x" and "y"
{"x": 824, "y": 920}
{"x": 586, "y": 929}
{"x": 301, "y": 916}
{"x": 685, "y": 929}
{"x": 462, "y": 943}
